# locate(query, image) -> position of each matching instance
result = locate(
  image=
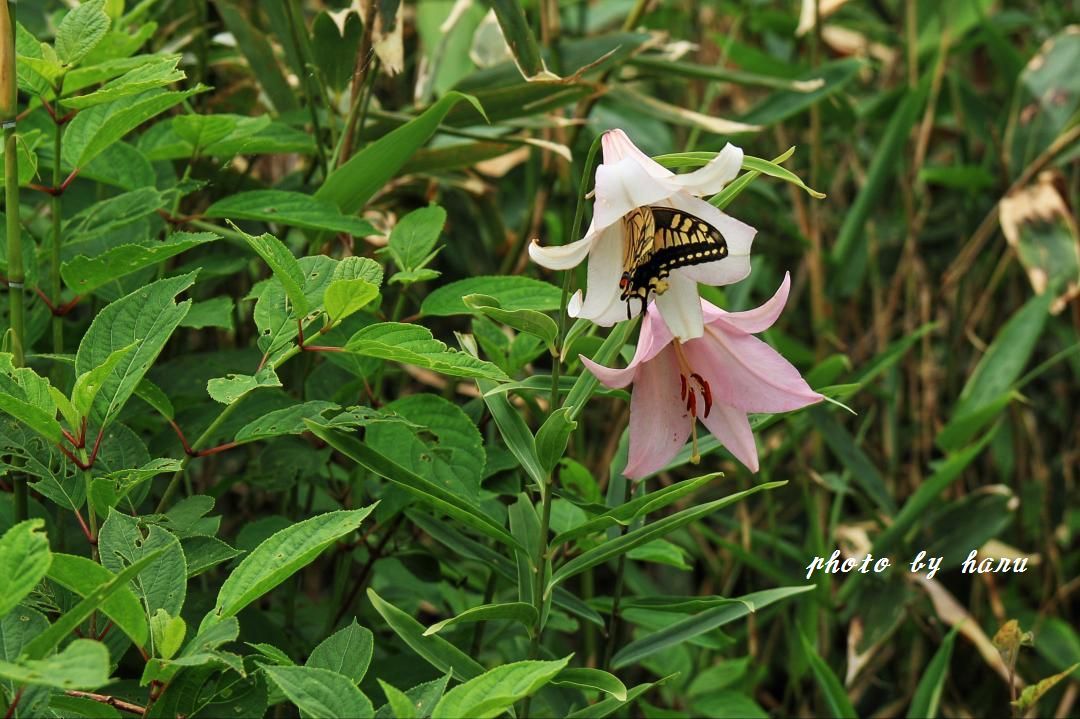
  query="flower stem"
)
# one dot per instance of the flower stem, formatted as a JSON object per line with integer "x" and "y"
{"x": 615, "y": 624}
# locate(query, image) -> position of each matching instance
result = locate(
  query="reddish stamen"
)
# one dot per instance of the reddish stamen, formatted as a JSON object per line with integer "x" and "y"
{"x": 682, "y": 386}
{"x": 706, "y": 392}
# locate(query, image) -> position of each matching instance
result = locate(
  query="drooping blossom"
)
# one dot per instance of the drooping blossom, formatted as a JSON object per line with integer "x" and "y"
{"x": 717, "y": 379}
{"x": 629, "y": 179}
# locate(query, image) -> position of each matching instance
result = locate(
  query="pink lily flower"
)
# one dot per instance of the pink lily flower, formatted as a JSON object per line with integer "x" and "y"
{"x": 717, "y": 378}
{"x": 627, "y": 180}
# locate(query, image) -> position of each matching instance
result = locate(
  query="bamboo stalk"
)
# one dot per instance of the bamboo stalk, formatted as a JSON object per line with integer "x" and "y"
{"x": 9, "y": 106}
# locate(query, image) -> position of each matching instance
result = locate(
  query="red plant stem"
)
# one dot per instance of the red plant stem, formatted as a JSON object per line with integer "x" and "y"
{"x": 14, "y": 703}
{"x": 215, "y": 450}
{"x": 85, "y": 529}
{"x": 111, "y": 701}
{"x": 309, "y": 348}
{"x": 104, "y": 631}
{"x": 183, "y": 440}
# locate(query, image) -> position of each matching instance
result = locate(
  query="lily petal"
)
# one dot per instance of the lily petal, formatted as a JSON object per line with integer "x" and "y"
{"x": 609, "y": 377}
{"x": 561, "y": 257}
{"x": 752, "y": 321}
{"x": 659, "y": 423}
{"x": 746, "y": 373}
{"x": 617, "y": 146}
{"x": 621, "y": 187}
{"x": 653, "y": 338}
{"x": 605, "y": 268}
{"x": 731, "y": 426}
{"x": 712, "y": 178}
{"x": 738, "y": 236}
{"x": 681, "y": 307}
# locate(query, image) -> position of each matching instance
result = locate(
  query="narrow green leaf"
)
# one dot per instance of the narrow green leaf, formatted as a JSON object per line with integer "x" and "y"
{"x": 552, "y": 437}
{"x": 496, "y": 690}
{"x": 594, "y": 679}
{"x": 882, "y": 168}
{"x": 700, "y": 623}
{"x": 611, "y": 705}
{"x": 519, "y": 440}
{"x": 321, "y": 693}
{"x": 654, "y": 530}
{"x": 836, "y": 699}
{"x": 294, "y": 209}
{"x": 640, "y": 506}
{"x": 24, "y": 560}
{"x": 259, "y": 54}
{"x": 519, "y": 37}
{"x": 438, "y": 652}
{"x": 399, "y": 702}
{"x": 853, "y": 457}
{"x": 354, "y": 183}
{"x": 520, "y": 612}
{"x": 427, "y": 491}
{"x": 927, "y": 699}
{"x": 586, "y": 383}
{"x": 48, "y": 640}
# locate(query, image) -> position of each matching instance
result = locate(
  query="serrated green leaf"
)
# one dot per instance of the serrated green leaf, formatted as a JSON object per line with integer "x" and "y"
{"x": 85, "y": 274}
{"x": 147, "y": 318}
{"x": 83, "y": 576}
{"x": 162, "y": 585}
{"x": 95, "y": 129}
{"x": 24, "y": 560}
{"x": 286, "y": 269}
{"x": 48, "y": 640}
{"x": 83, "y": 664}
{"x": 168, "y": 633}
{"x": 320, "y": 693}
{"x": 289, "y": 420}
{"x": 149, "y": 73}
{"x": 400, "y": 704}
{"x": 347, "y": 651}
{"x": 88, "y": 384}
{"x": 414, "y": 237}
{"x": 277, "y": 558}
{"x": 496, "y": 690}
{"x": 232, "y": 387}
{"x": 80, "y": 31}
{"x": 413, "y": 344}
{"x": 512, "y": 293}
{"x": 347, "y": 297}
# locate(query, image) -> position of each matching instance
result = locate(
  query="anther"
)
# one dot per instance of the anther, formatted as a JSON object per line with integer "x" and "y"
{"x": 706, "y": 392}
{"x": 682, "y": 386}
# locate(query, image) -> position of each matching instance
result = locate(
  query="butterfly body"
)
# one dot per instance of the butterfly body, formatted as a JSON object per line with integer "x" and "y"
{"x": 659, "y": 240}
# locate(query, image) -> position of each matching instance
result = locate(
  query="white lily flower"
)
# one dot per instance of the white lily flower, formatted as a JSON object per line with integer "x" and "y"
{"x": 629, "y": 179}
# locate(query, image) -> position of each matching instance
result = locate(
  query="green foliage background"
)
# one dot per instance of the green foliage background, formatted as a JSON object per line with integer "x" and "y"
{"x": 304, "y": 431}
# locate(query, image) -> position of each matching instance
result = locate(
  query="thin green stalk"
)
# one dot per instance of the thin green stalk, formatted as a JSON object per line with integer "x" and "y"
{"x": 9, "y": 105}
{"x": 305, "y": 81}
{"x": 57, "y": 239}
{"x": 615, "y": 624}
{"x": 174, "y": 483}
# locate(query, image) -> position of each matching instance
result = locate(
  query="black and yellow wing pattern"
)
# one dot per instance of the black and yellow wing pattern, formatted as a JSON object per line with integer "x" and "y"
{"x": 659, "y": 240}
